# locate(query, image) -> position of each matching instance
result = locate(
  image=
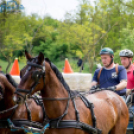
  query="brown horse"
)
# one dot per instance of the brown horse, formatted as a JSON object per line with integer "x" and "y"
{"x": 110, "y": 110}
{"x": 20, "y": 113}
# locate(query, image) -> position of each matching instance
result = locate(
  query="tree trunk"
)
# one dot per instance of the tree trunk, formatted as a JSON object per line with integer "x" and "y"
{"x": 7, "y": 68}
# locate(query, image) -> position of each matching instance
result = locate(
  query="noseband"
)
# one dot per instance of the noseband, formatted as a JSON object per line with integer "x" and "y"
{"x": 36, "y": 76}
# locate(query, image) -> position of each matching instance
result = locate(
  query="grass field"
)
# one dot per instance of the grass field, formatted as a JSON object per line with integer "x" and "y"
{"x": 59, "y": 64}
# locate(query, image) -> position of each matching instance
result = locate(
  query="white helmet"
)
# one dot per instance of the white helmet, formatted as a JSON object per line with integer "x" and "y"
{"x": 126, "y": 53}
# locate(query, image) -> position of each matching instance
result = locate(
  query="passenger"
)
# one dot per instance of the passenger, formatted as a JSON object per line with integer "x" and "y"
{"x": 126, "y": 57}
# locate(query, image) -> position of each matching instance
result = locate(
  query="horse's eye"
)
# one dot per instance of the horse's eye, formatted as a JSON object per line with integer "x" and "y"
{"x": 35, "y": 75}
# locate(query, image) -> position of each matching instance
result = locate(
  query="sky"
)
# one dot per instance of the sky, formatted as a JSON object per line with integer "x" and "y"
{"x": 55, "y": 8}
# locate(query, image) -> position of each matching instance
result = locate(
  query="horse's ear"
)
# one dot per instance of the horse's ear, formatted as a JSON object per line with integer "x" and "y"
{"x": 47, "y": 59}
{"x": 40, "y": 58}
{"x": 28, "y": 56}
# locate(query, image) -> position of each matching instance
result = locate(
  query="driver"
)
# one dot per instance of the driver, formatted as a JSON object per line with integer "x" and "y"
{"x": 111, "y": 76}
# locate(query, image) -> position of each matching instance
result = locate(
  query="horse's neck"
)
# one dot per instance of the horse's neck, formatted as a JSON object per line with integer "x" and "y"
{"x": 54, "y": 89}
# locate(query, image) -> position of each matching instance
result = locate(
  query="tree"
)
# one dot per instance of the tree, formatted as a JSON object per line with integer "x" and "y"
{"x": 11, "y": 34}
{"x": 126, "y": 41}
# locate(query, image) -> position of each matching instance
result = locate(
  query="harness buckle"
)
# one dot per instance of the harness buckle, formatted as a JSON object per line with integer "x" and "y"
{"x": 27, "y": 96}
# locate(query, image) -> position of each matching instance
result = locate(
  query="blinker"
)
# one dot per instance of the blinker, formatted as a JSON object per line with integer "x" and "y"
{"x": 36, "y": 75}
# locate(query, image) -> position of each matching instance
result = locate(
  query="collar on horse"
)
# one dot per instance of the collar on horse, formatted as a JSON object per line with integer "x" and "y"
{"x": 58, "y": 122}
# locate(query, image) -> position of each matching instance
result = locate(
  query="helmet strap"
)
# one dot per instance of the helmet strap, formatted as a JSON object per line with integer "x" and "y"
{"x": 111, "y": 61}
{"x": 128, "y": 65}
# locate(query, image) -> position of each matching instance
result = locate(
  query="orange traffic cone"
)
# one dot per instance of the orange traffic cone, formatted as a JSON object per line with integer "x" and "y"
{"x": 67, "y": 67}
{"x": 15, "y": 68}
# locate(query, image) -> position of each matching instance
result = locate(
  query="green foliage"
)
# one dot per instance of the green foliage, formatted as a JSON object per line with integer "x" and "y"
{"x": 52, "y": 50}
{"x": 126, "y": 41}
{"x": 83, "y": 33}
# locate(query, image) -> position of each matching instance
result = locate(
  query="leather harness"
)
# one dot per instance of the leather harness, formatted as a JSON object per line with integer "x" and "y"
{"x": 58, "y": 122}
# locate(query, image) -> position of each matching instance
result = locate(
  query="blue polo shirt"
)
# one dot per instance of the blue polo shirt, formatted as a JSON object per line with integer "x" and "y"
{"x": 109, "y": 78}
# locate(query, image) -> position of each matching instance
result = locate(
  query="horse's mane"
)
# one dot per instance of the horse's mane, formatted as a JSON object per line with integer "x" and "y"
{"x": 59, "y": 75}
{"x": 6, "y": 83}
{"x": 11, "y": 80}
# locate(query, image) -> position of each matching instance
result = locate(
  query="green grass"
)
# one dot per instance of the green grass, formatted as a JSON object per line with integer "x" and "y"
{"x": 73, "y": 64}
{"x": 4, "y": 65}
{"x": 59, "y": 64}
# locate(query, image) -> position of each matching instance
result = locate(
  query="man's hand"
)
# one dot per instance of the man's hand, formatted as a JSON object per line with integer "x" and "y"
{"x": 128, "y": 91}
{"x": 112, "y": 88}
{"x": 94, "y": 87}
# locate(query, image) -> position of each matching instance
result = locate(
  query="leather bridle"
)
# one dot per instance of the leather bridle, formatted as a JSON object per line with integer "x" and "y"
{"x": 37, "y": 77}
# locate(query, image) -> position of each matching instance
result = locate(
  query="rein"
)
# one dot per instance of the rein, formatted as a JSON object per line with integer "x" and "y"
{"x": 63, "y": 99}
{"x": 74, "y": 96}
{"x": 7, "y": 110}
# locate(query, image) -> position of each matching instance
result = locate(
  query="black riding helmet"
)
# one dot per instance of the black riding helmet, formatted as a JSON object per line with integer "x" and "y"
{"x": 108, "y": 51}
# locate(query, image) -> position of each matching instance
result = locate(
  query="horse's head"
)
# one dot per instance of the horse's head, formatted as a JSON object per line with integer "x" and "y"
{"x": 32, "y": 76}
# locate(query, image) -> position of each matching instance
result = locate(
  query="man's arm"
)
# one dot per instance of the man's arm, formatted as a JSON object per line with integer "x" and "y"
{"x": 122, "y": 79}
{"x": 121, "y": 85}
{"x": 94, "y": 80}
